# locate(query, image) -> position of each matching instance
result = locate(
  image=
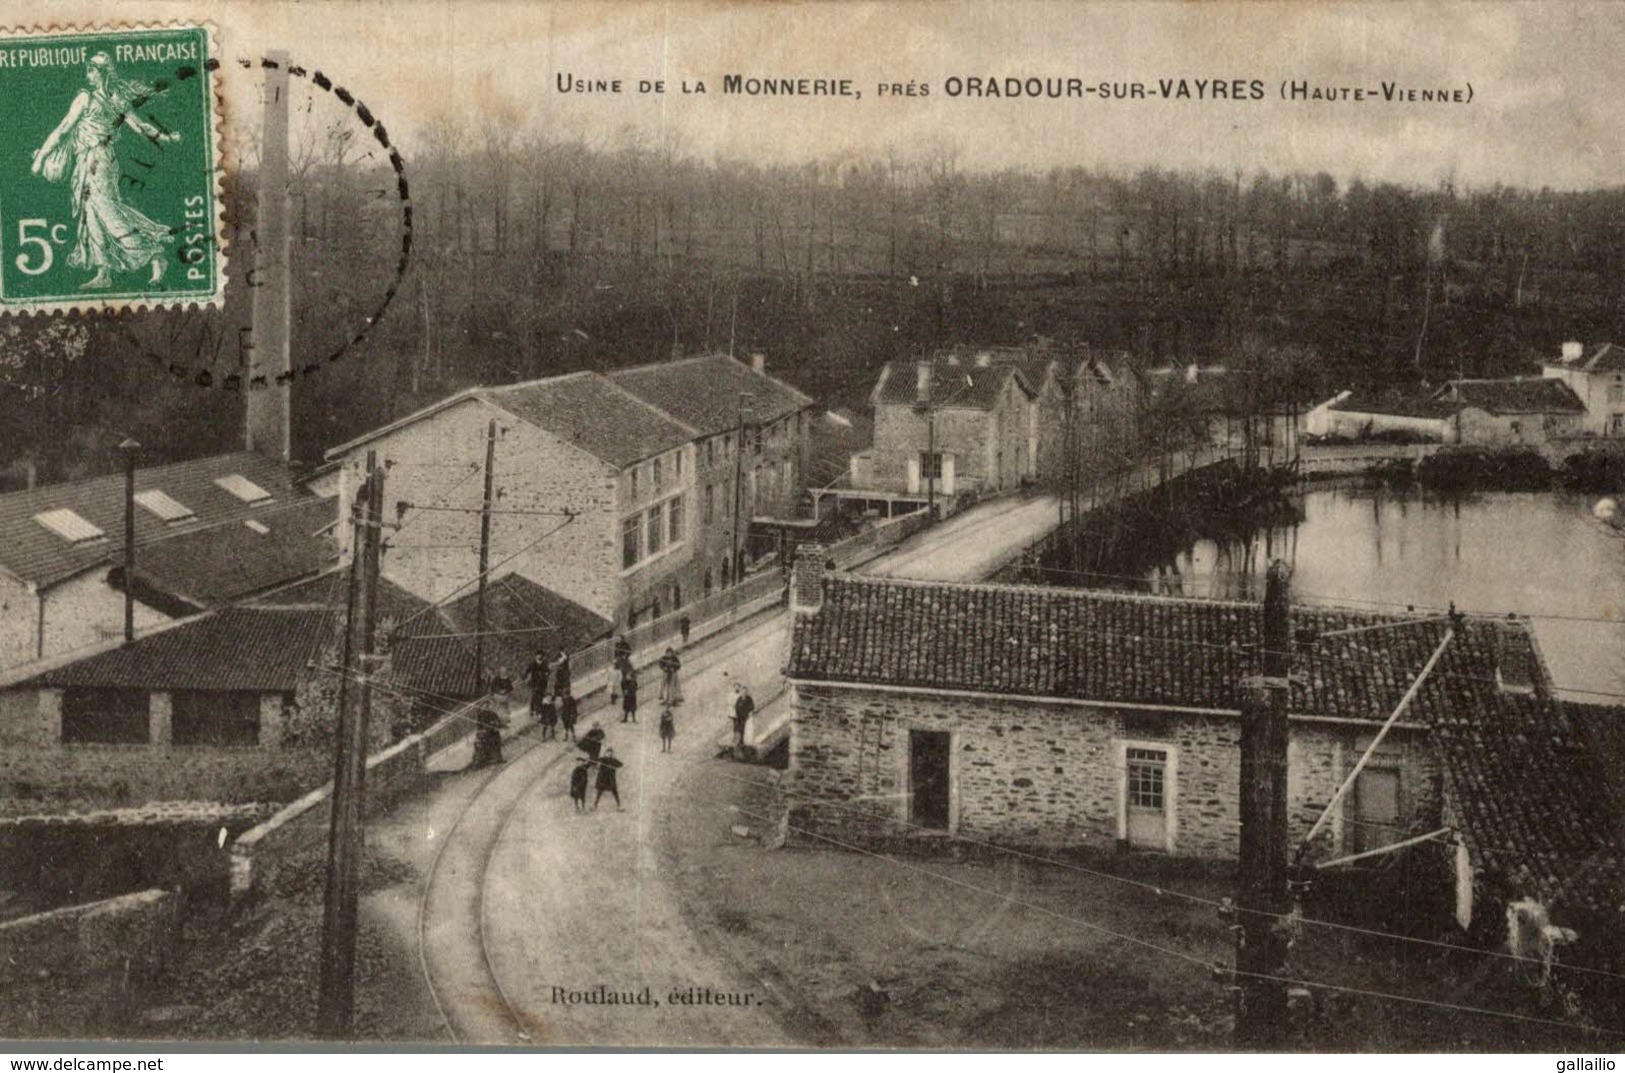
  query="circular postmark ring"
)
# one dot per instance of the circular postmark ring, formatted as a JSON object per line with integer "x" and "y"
{"x": 202, "y": 376}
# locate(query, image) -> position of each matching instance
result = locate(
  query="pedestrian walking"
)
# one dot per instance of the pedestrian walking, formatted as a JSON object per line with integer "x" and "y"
{"x": 671, "y": 691}
{"x": 629, "y": 695}
{"x": 682, "y": 628}
{"x": 488, "y": 738}
{"x": 558, "y": 678}
{"x": 613, "y": 681}
{"x": 578, "y": 783}
{"x": 592, "y": 741}
{"x": 568, "y": 711}
{"x": 606, "y": 783}
{"x": 744, "y": 705}
{"x": 668, "y": 729}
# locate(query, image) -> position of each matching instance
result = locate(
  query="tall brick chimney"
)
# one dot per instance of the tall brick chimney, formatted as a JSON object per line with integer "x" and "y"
{"x": 807, "y": 579}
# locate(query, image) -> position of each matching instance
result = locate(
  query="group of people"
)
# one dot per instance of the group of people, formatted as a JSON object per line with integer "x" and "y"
{"x": 552, "y": 699}
{"x": 600, "y": 758}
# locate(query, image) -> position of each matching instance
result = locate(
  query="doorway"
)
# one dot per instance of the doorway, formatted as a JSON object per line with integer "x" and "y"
{"x": 929, "y": 757}
{"x": 1146, "y": 804}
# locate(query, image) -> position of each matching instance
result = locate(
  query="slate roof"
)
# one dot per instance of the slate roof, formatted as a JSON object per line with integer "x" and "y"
{"x": 961, "y": 387}
{"x": 257, "y": 649}
{"x": 590, "y": 411}
{"x": 526, "y": 615}
{"x": 1599, "y": 358}
{"x": 703, "y": 392}
{"x": 1532, "y": 793}
{"x": 36, "y": 555}
{"x": 1547, "y": 396}
{"x": 232, "y": 560}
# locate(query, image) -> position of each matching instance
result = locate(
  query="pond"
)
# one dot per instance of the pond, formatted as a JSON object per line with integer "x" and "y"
{"x": 1541, "y": 554}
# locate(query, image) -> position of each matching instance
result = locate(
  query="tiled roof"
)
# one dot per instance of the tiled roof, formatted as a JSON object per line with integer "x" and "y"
{"x": 227, "y": 562}
{"x": 524, "y": 616}
{"x": 1106, "y": 646}
{"x": 1395, "y": 405}
{"x": 703, "y": 392}
{"x": 590, "y": 411}
{"x": 967, "y": 387}
{"x": 426, "y": 662}
{"x": 257, "y": 649}
{"x": 33, "y": 553}
{"x": 1548, "y": 396}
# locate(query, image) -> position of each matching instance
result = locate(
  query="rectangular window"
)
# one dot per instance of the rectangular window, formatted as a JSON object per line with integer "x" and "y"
{"x": 710, "y": 503}
{"x": 1616, "y": 393}
{"x": 656, "y": 530}
{"x": 674, "y": 520}
{"x": 210, "y": 717}
{"x": 634, "y": 485}
{"x": 243, "y": 488}
{"x": 629, "y": 541}
{"x": 677, "y": 467}
{"x": 104, "y": 717}
{"x": 164, "y": 506}
{"x": 69, "y": 526}
{"x": 654, "y": 468}
{"x": 1145, "y": 770}
{"x": 930, "y": 760}
{"x": 1376, "y": 808}
{"x": 930, "y": 466}
{"x": 710, "y": 452}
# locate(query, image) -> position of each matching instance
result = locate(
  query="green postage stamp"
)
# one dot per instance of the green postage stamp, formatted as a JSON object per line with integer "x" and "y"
{"x": 109, "y": 169}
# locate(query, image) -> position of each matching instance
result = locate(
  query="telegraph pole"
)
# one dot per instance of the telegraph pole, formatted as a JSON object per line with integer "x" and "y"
{"x": 485, "y": 555}
{"x": 739, "y": 488}
{"x": 1261, "y": 1002}
{"x": 336, "y": 997}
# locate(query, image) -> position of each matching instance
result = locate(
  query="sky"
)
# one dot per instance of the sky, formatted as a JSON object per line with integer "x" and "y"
{"x": 1548, "y": 90}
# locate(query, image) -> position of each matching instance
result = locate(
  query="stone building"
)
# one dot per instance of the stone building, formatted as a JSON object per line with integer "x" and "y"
{"x": 1509, "y": 413}
{"x": 208, "y": 531}
{"x": 1596, "y": 375}
{"x": 969, "y": 427}
{"x": 1054, "y": 717}
{"x": 614, "y": 491}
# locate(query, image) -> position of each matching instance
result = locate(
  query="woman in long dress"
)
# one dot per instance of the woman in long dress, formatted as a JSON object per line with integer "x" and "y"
{"x": 112, "y": 235}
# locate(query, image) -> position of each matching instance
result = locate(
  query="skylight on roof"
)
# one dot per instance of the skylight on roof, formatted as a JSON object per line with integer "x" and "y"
{"x": 259, "y": 527}
{"x": 69, "y": 526}
{"x": 165, "y": 506}
{"x": 243, "y": 488}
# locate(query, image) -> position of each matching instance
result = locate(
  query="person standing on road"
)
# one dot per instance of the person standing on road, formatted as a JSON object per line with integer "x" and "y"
{"x": 683, "y": 626}
{"x": 547, "y": 716}
{"x": 567, "y": 715}
{"x": 535, "y": 676}
{"x": 558, "y": 677}
{"x": 629, "y": 695}
{"x": 578, "y": 783}
{"x": 668, "y": 728}
{"x": 592, "y": 741}
{"x": 670, "y": 691}
{"x": 623, "y": 649}
{"x": 488, "y": 738}
{"x": 744, "y": 705}
{"x": 606, "y": 780}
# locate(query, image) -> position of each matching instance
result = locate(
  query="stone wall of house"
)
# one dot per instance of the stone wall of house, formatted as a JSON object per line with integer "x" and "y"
{"x": 901, "y": 436}
{"x": 1016, "y": 441}
{"x": 80, "y": 611}
{"x": 435, "y": 462}
{"x": 83, "y": 970}
{"x": 1031, "y": 773}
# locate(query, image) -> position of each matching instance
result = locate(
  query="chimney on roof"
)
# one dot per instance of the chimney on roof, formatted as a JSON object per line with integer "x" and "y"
{"x": 807, "y": 579}
{"x": 922, "y": 383}
{"x": 1572, "y": 351}
{"x": 758, "y": 361}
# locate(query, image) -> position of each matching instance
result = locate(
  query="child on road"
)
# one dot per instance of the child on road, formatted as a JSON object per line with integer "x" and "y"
{"x": 668, "y": 729}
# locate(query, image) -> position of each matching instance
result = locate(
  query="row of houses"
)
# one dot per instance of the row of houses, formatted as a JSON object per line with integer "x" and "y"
{"x": 616, "y": 497}
{"x": 1580, "y": 394}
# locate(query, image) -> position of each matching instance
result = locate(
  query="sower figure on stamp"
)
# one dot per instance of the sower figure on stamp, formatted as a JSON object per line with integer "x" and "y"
{"x": 112, "y": 236}
{"x": 606, "y": 779}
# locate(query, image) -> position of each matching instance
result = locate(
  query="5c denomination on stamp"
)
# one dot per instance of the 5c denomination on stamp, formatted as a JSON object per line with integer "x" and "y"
{"x": 109, "y": 169}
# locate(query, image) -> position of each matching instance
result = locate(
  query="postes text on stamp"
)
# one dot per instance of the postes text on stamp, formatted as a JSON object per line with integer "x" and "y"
{"x": 109, "y": 168}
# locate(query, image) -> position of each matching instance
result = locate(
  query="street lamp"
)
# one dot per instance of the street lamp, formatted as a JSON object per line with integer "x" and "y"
{"x": 929, "y": 407}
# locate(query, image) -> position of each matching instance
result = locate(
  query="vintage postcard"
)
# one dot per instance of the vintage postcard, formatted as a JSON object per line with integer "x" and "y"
{"x": 957, "y": 526}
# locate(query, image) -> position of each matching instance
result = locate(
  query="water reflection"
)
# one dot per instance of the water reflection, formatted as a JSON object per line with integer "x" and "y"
{"x": 1533, "y": 553}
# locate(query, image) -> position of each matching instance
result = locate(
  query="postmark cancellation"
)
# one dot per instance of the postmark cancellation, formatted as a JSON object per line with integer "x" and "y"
{"x": 110, "y": 166}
